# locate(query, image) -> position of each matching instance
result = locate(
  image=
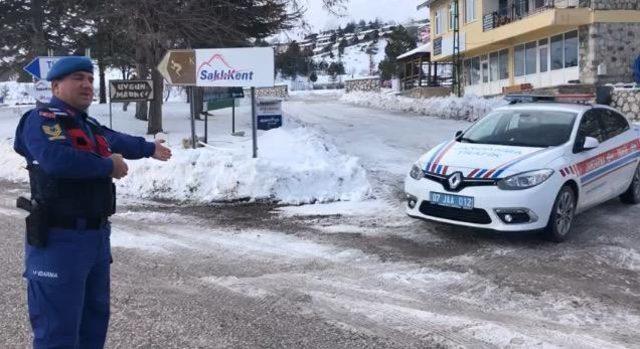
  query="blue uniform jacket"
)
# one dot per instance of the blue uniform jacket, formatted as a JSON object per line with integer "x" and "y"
{"x": 41, "y": 138}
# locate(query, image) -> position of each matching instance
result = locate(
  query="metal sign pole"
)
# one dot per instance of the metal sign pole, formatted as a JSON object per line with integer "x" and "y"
{"x": 206, "y": 127}
{"x": 193, "y": 118}
{"x": 254, "y": 122}
{"x": 110, "y": 111}
{"x": 233, "y": 117}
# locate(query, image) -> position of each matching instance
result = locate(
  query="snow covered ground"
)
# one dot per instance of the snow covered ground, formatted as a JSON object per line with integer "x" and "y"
{"x": 342, "y": 274}
{"x": 469, "y": 107}
{"x": 225, "y": 171}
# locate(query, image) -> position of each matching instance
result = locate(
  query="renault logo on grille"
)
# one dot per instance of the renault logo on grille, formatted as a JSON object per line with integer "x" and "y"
{"x": 455, "y": 180}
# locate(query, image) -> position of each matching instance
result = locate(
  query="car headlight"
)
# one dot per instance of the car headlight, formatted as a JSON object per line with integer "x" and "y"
{"x": 416, "y": 172}
{"x": 525, "y": 180}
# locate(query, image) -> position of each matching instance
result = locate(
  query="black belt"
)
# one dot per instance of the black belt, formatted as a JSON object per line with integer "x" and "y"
{"x": 80, "y": 223}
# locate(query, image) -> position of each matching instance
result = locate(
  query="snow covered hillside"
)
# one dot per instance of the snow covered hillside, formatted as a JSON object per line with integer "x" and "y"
{"x": 355, "y": 59}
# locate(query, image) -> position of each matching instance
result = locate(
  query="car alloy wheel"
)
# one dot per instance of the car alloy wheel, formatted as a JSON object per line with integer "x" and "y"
{"x": 632, "y": 195}
{"x": 564, "y": 213}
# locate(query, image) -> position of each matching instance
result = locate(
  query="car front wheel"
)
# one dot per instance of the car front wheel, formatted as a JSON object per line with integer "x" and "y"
{"x": 632, "y": 195}
{"x": 561, "y": 220}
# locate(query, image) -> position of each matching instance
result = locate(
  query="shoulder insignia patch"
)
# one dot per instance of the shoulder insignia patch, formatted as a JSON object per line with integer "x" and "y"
{"x": 47, "y": 114}
{"x": 54, "y": 132}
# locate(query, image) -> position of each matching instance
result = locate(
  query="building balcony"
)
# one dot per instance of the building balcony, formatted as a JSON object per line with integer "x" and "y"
{"x": 502, "y": 12}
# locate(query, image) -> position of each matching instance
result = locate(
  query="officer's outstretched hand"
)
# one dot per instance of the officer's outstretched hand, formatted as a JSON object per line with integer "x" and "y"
{"x": 162, "y": 153}
{"x": 120, "y": 167}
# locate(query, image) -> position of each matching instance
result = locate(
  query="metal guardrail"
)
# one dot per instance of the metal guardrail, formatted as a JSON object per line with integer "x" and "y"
{"x": 520, "y": 9}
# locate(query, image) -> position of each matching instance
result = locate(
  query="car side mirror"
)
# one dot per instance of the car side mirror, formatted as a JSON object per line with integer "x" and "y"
{"x": 590, "y": 143}
{"x": 458, "y": 134}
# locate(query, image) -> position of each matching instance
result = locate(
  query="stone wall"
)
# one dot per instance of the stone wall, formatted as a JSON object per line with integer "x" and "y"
{"x": 427, "y": 92}
{"x": 628, "y": 102}
{"x": 615, "y": 4}
{"x": 280, "y": 91}
{"x": 565, "y": 89}
{"x": 365, "y": 84}
{"x": 615, "y": 45}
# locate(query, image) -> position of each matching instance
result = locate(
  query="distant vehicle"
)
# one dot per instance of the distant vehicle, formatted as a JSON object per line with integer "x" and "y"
{"x": 528, "y": 166}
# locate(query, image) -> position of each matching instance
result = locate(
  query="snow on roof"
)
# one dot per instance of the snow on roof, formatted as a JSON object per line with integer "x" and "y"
{"x": 426, "y": 48}
{"x": 371, "y": 77}
{"x": 424, "y": 4}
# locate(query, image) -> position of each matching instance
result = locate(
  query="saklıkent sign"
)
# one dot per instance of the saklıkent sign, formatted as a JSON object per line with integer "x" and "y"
{"x": 227, "y": 67}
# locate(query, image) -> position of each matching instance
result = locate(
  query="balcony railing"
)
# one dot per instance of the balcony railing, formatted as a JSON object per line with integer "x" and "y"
{"x": 516, "y": 10}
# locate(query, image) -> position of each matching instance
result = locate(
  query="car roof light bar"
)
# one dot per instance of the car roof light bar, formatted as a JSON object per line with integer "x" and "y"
{"x": 577, "y": 98}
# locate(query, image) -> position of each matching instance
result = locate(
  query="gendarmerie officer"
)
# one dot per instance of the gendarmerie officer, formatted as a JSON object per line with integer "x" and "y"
{"x": 72, "y": 161}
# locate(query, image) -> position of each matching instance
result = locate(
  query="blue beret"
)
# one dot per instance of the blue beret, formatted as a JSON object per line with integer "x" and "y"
{"x": 67, "y": 65}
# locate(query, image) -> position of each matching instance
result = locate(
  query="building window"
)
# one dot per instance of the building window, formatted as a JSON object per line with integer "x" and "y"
{"x": 504, "y": 64}
{"x": 543, "y": 55}
{"x": 557, "y": 54}
{"x": 439, "y": 26}
{"x": 485, "y": 69}
{"x": 469, "y": 10}
{"x": 530, "y": 58}
{"x": 571, "y": 49}
{"x": 564, "y": 50}
{"x": 467, "y": 72}
{"x": 544, "y": 60}
{"x": 494, "y": 66}
{"x": 475, "y": 70}
{"x": 518, "y": 60}
{"x": 451, "y": 16}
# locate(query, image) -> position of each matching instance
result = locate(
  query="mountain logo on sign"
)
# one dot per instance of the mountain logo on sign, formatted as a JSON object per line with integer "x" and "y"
{"x": 217, "y": 69}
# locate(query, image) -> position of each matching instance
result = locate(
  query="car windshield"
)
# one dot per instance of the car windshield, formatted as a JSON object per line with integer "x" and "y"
{"x": 523, "y": 128}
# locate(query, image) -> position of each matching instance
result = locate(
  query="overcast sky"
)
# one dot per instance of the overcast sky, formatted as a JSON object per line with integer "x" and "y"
{"x": 398, "y": 10}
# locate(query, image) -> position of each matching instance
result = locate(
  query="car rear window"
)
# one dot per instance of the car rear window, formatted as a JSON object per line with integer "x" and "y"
{"x": 525, "y": 128}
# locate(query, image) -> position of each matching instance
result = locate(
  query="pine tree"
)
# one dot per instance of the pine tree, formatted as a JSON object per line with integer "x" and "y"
{"x": 341, "y": 46}
{"x": 32, "y": 28}
{"x": 335, "y": 69}
{"x": 400, "y": 41}
{"x": 293, "y": 62}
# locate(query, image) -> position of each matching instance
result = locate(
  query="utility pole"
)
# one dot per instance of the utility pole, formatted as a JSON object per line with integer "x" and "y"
{"x": 456, "y": 58}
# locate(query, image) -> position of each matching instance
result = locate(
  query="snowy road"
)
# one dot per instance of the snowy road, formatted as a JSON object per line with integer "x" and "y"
{"x": 387, "y": 142}
{"x": 352, "y": 276}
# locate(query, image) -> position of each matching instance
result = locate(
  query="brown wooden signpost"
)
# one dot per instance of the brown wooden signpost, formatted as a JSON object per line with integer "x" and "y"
{"x": 129, "y": 91}
{"x": 178, "y": 67}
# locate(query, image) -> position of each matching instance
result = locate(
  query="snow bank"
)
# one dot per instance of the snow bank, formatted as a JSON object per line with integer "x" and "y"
{"x": 17, "y": 92}
{"x": 12, "y": 165}
{"x": 469, "y": 107}
{"x": 294, "y": 166}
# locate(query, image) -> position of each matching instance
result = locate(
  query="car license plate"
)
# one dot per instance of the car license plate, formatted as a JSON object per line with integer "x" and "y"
{"x": 457, "y": 201}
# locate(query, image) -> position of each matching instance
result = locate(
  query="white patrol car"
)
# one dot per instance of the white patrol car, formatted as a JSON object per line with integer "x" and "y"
{"x": 528, "y": 167}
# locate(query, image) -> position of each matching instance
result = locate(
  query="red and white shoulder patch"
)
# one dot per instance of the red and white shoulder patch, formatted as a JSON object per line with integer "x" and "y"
{"x": 47, "y": 114}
